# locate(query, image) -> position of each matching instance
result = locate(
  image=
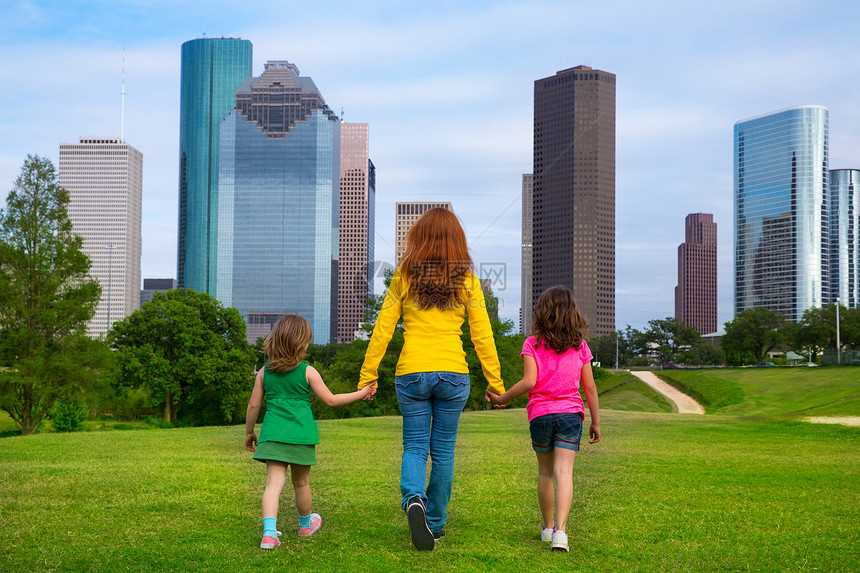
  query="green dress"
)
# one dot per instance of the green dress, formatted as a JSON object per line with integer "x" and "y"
{"x": 289, "y": 433}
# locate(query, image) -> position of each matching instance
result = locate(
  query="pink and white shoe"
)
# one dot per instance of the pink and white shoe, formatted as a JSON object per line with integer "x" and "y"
{"x": 316, "y": 523}
{"x": 546, "y": 533}
{"x": 270, "y": 542}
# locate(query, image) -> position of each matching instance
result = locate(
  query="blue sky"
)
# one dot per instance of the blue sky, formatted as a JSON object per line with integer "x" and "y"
{"x": 447, "y": 90}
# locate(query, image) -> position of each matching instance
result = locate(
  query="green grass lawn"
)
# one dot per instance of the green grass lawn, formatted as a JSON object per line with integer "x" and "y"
{"x": 661, "y": 492}
{"x": 623, "y": 391}
{"x": 788, "y": 391}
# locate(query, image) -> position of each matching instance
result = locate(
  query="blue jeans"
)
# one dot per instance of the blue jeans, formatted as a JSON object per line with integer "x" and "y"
{"x": 431, "y": 404}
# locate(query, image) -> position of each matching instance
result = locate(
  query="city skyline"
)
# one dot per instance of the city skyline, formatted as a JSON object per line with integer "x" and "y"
{"x": 451, "y": 107}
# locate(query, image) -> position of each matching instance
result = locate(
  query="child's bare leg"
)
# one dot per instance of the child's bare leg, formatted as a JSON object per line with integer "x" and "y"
{"x": 276, "y": 477}
{"x": 563, "y": 471}
{"x": 302, "y": 486}
{"x": 546, "y": 495}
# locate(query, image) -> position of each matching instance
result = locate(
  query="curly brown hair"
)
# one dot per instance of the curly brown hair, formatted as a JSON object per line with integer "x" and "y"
{"x": 557, "y": 321}
{"x": 285, "y": 346}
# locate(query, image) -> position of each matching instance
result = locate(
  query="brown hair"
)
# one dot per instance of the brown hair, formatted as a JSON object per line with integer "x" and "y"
{"x": 436, "y": 261}
{"x": 285, "y": 345}
{"x": 557, "y": 320}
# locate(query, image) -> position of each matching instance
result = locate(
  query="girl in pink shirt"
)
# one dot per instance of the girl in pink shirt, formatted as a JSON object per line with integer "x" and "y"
{"x": 556, "y": 362}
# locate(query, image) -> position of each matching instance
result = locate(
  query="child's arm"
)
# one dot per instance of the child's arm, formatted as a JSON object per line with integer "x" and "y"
{"x": 253, "y": 411}
{"x": 521, "y": 387}
{"x": 321, "y": 390}
{"x": 587, "y": 380}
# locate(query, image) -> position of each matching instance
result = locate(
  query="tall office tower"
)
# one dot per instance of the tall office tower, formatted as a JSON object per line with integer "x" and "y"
{"x": 845, "y": 237}
{"x": 526, "y": 308}
{"x": 212, "y": 70}
{"x": 782, "y": 258}
{"x": 573, "y": 234}
{"x": 357, "y": 228}
{"x": 696, "y": 293}
{"x": 104, "y": 178}
{"x": 408, "y": 213}
{"x": 278, "y": 202}
{"x": 152, "y": 286}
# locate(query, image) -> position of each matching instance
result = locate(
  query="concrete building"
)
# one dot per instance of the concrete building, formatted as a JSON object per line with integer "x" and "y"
{"x": 212, "y": 70}
{"x": 782, "y": 250}
{"x": 573, "y": 240}
{"x": 526, "y": 303}
{"x": 104, "y": 178}
{"x": 278, "y": 206}
{"x": 845, "y": 237}
{"x": 696, "y": 293}
{"x": 357, "y": 228}
{"x": 407, "y": 214}
{"x": 152, "y": 286}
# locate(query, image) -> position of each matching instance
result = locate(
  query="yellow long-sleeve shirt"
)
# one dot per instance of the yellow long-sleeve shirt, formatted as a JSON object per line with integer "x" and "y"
{"x": 431, "y": 338}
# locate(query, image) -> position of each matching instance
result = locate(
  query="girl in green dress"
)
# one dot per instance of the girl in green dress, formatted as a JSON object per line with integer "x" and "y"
{"x": 289, "y": 433}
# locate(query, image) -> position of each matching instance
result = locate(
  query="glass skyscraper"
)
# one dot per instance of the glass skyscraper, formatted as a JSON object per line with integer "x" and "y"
{"x": 212, "y": 70}
{"x": 277, "y": 210}
{"x": 782, "y": 256}
{"x": 845, "y": 237}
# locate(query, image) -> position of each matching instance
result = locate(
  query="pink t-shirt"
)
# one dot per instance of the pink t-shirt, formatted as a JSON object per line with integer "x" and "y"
{"x": 557, "y": 388}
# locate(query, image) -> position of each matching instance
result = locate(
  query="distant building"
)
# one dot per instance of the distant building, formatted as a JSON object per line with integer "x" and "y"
{"x": 357, "y": 229}
{"x": 407, "y": 214}
{"x": 212, "y": 70}
{"x": 573, "y": 234}
{"x": 526, "y": 303}
{"x": 782, "y": 250}
{"x": 845, "y": 237}
{"x": 696, "y": 293}
{"x": 152, "y": 286}
{"x": 278, "y": 206}
{"x": 104, "y": 178}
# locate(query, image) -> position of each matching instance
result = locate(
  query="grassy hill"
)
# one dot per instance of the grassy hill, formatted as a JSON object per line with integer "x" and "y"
{"x": 660, "y": 492}
{"x": 789, "y": 391}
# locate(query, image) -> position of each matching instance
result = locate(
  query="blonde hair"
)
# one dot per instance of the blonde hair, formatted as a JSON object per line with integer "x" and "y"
{"x": 285, "y": 345}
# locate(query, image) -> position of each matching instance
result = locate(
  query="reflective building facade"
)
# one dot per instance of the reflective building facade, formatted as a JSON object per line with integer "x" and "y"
{"x": 278, "y": 203}
{"x": 782, "y": 254}
{"x": 845, "y": 237}
{"x": 212, "y": 70}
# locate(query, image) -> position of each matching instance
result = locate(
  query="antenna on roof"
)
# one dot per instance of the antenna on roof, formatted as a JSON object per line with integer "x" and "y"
{"x": 341, "y": 114}
{"x": 122, "y": 96}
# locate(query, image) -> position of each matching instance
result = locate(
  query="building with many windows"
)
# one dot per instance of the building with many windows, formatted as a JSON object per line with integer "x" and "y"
{"x": 782, "y": 250}
{"x": 212, "y": 70}
{"x": 104, "y": 178}
{"x": 278, "y": 205}
{"x": 845, "y": 237}
{"x": 526, "y": 308}
{"x": 696, "y": 293}
{"x": 152, "y": 286}
{"x": 573, "y": 207}
{"x": 407, "y": 214}
{"x": 357, "y": 228}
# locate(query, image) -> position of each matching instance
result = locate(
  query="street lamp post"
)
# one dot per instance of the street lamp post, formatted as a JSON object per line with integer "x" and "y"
{"x": 838, "y": 341}
{"x": 110, "y": 249}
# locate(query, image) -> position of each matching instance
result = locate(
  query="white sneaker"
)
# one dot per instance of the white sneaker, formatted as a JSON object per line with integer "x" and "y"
{"x": 559, "y": 541}
{"x": 546, "y": 533}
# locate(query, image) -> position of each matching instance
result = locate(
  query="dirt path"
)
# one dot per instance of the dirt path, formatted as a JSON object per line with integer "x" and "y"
{"x": 685, "y": 404}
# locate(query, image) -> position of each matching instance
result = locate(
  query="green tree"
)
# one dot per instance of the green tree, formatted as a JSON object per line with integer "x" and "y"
{"x": 46, "y": 299}
{"x": 667, "y": 338}
{"x": 752, "y": 334}
{"x": 815, "y": 332}
{"x": 190, "y": 353}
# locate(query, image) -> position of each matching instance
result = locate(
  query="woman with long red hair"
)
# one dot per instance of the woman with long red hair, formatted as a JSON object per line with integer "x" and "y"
{"x": 435, "y": 289}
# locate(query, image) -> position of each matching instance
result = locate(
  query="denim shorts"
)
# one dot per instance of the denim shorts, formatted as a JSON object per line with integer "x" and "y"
{"x": 556, "y": 431}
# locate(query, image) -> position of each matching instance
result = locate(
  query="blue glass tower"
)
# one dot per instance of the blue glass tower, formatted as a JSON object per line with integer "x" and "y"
{"x": 278, "y": 202}
{"x": 781, "y": 218}
{"x": 845, "y": 237}
{"x": 212, "y": 70}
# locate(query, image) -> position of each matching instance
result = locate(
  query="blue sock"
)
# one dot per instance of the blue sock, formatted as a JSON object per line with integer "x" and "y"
{"x": 305, "y": 520}
{"x": 270, "y": 526}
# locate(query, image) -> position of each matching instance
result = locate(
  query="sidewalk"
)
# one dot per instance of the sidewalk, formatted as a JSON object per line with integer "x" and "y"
{"x": 684, "y": 403}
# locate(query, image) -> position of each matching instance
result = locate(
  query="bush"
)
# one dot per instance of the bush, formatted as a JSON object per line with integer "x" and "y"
{"x": 69, "y": 415}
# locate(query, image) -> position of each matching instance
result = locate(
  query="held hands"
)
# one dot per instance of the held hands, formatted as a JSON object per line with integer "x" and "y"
{"x": 494, "y": 399}
{"x": 368, "y": 392}
{"x": 251, "y": 442}
{"x": 594, "y": 433}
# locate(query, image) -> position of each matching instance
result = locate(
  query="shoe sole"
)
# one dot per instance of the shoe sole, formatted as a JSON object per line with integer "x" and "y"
{"x": 422, "y": 537}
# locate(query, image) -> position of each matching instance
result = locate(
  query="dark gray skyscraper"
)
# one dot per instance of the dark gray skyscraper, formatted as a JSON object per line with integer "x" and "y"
{"x": 573, "y": 241}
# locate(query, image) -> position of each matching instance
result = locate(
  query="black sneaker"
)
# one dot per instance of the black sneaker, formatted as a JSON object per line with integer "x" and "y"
{"x": 438, "y": 534}
{"x": 422, "y": 537}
